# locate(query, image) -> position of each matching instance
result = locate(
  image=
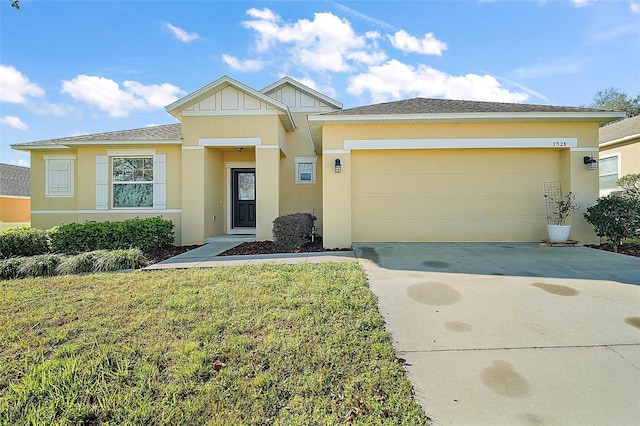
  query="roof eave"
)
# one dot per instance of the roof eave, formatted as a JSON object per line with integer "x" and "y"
{"x": 620, "y": 140}
{"x": 27, "y": 148}
{"x": 594, "y": 116}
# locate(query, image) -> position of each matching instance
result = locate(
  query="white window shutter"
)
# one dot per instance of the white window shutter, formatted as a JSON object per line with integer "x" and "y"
{"x": 160, "y": 181}
{"x": 102, "y": 182}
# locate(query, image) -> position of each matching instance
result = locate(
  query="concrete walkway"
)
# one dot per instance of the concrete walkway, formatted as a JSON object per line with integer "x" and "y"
{"x": 207, "y": 256}
{"x": 513, "y": 334}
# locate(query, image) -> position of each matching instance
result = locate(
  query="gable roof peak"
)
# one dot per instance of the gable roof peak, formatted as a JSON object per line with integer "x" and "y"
{"x": 286, "y": 80}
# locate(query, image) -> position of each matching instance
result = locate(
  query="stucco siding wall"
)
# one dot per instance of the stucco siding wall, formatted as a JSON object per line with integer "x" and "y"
{"x": 466, "y": 192}
{"x": 629, "y": 156}
{"x": 15, "y": 209}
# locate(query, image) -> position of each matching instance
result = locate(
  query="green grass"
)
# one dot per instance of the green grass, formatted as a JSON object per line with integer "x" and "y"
{"x": 302, "y": 344}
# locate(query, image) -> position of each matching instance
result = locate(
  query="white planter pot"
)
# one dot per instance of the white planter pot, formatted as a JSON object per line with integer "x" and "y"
{"x": 558, "y": 233}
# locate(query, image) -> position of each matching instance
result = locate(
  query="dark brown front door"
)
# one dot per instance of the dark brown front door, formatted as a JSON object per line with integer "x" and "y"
{"x": 244, "y": 198}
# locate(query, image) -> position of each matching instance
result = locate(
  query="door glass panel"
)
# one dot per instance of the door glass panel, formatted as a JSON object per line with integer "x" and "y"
{"x": 246, "y": 186}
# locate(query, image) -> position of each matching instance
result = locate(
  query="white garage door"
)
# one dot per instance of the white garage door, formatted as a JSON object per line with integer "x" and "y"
{"x": 451, "y": 195}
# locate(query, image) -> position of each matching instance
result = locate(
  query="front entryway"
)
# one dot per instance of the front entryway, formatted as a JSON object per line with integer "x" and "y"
{"x": 243, "y": 188}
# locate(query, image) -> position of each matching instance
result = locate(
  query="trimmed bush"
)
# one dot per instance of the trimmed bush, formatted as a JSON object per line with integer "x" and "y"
{"x": 292, "y": 231}
{"x": 23, "y": 241}
{"x": 146, "y": 234}
{"x": 615, "y": 218}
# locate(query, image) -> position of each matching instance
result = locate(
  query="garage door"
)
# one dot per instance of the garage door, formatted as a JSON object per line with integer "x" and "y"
{"x": 451, "y": 195}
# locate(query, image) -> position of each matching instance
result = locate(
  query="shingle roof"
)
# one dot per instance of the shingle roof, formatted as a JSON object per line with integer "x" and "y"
{"x": 166, "y": 132}
{"x": 620, "y": 129}
{"x": 14, "y": 180}
{"x": 448, "y": 106}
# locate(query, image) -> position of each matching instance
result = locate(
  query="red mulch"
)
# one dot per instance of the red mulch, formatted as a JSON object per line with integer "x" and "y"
{"x": 628, "y": 249}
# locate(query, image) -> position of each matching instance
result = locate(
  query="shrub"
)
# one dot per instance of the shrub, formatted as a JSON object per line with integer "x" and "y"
{"x": 630, "y": 185}
{"x": 57, "y": 264}
{"x": 146, "y": 234}
{"x": 293, "y": 230}
{"x": 23, "y": 241}
{"x": 615, "y": 218}
{"x": 43, "y": 265}
{"x": 9, "y": 268}
{"x": 115, "y": 260}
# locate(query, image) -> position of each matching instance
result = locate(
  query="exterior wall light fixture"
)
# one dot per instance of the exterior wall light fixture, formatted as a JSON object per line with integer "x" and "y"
{"x": 338, "y": 166}
{"x": 591, "y": 163}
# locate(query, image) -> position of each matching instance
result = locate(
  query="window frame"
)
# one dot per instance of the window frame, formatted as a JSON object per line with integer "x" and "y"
{"x": 312, "y": 161}
{"x": 113, "y": 182}
{"x": 49, "y": 161}
{"x": 617, "y": 172}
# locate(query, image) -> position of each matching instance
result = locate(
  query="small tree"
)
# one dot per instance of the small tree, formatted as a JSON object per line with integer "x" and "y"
{"x": 615, "y": 218}
{"x": 630, "y": 185}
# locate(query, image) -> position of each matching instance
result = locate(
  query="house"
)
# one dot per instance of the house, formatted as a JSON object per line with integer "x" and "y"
{"x": 413, "y": 170}
{"x": 619, "y": 152}
{"x": 15, "y": 202}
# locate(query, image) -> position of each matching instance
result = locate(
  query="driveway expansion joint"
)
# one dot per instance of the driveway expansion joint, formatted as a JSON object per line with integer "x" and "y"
{"x": 610, "y": 346}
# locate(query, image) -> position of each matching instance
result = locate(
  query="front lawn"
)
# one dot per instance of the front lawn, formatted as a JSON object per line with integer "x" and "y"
{"x": 265, "y": 344}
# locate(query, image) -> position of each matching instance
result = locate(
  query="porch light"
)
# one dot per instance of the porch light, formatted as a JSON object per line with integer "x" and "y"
{"x": 338, "y": 166}
{"x": 591, "y": 163}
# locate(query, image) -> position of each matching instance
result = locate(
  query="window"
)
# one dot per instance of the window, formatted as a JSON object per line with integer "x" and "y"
{"x": 131, "y": 179}
{"x": 132, "y": 182}
{"x": 608, "y": 168}
{"x": 305, "y": 169}
{"x": 59, "y": 176}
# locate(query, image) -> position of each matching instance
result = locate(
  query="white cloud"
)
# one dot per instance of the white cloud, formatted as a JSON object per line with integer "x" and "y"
{"x": 20, "y": 162}
{"x": 634, "y": 7}
{"x": 15, "y": 87}
{"x": 326, "y": 43}
{"x": 181, "y": 34}
{"x": 14, "y": 123}
{"x": 429, "y": 45}
{"x": 247, "y": 65}
{"x": 579, "y": 3}
{"x": 395, "y": 80}
{"x": 117, "y": 101}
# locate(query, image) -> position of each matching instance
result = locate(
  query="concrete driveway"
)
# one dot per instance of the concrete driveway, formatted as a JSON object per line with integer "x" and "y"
{"x": 513, "y": 334}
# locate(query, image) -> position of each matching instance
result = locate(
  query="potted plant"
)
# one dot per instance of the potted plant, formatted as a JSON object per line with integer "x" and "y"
{"x": 558, "y": 211}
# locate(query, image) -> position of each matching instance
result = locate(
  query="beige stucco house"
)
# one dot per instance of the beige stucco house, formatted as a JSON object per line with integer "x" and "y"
{"x": 619, "y": 152}
{"x": 413, "y": 170}
{"x": 15, "y": 200}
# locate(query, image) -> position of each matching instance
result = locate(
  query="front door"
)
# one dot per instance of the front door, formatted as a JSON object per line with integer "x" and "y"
{"x": 243, "y": 187}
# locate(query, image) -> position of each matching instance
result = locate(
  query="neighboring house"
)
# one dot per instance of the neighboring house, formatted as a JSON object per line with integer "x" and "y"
{"x": 414, "y": 170}
{"x": 619, "y": 152}
{"x": 15, "y": 201}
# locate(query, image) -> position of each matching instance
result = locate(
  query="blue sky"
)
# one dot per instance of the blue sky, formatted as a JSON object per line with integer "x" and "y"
{"x": 78, "y": 67}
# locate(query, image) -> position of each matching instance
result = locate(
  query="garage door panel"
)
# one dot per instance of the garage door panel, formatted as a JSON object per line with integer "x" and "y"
{"x": 451, "y": 195}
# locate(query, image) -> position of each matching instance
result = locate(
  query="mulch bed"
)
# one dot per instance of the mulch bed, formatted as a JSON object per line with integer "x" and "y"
{"x": 628, "y": 249}
{"x": 269, "y": 247}
{"x": 166, "y": 253}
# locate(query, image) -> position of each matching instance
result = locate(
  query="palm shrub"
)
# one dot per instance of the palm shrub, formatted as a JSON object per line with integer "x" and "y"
{"x": 615, "y": 218}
